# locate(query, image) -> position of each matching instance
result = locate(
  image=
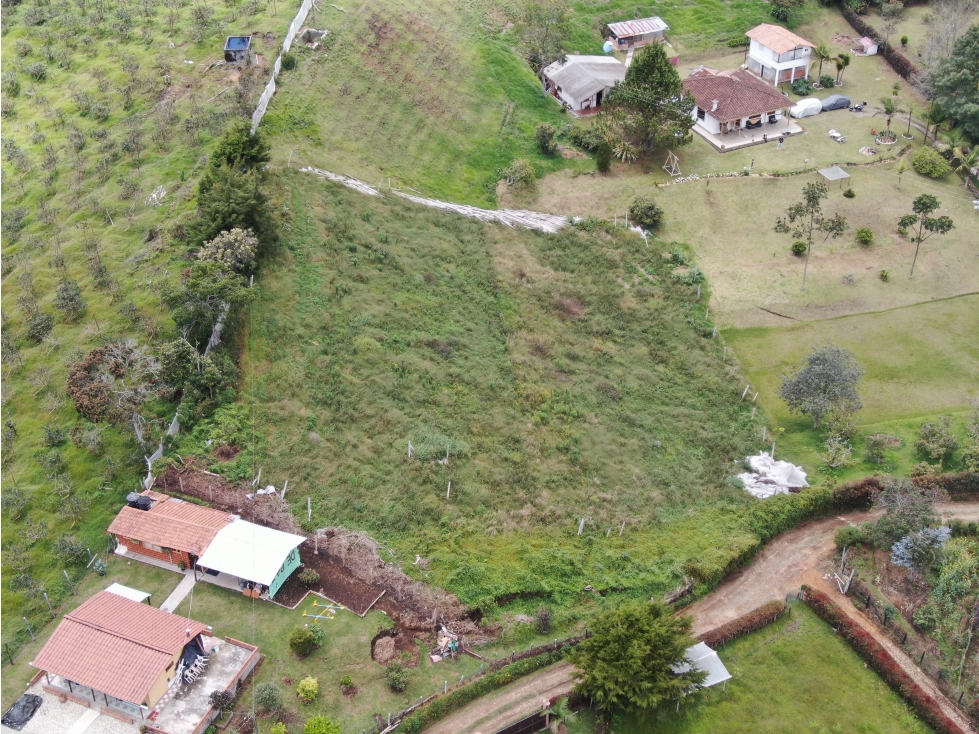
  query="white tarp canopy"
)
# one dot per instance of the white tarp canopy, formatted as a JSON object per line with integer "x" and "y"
{"x": 768, "y": 477}
{"x": 701, "y": 657}
{"x": 129, "y": 593}
{"x": 249, "y": 551}
{"x": 835, "y": 173}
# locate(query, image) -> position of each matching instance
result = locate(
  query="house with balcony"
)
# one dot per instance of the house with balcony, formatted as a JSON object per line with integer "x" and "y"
{"x": 778, "y": 55}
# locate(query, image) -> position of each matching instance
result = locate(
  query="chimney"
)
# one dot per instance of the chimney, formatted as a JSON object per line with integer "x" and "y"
{"x": 714, "y": 108}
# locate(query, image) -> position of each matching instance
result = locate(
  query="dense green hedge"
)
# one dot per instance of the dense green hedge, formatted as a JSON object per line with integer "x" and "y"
{"x": 442, "y": 706}
{"x": 745, "y": 624}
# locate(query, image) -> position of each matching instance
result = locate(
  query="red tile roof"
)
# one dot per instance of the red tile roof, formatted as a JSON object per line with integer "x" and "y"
{"x": 777, "y": 38}
{"x": 738, "y": 94}
{"x": 171, "y": 523}
{"x": 115, "y": 645}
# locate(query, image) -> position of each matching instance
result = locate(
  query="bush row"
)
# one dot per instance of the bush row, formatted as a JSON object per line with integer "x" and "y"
{"x": 882, "y": 662}
{"x": 746, "y": 623}
{"x": 442, "y": 706}
{"x": 898, "y": 61}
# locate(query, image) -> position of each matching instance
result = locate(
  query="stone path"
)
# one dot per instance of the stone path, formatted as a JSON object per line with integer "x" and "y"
{"x": 180, "y": 593}
{"x": 83, "y": 722}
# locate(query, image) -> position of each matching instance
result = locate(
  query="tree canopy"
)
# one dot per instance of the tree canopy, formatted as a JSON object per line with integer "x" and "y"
{"x": 629, "y": 660}
{"x": 649, "y": 109}
{"x": 210, "y": 289}
{"x": 925, "y": 225}
{"x": 827, "y": 382}
{"x": 805, "y": 218}
{"x": 956, "y": 83}
{"x": 543, "y": 27}
{"x": 234, "y": 200}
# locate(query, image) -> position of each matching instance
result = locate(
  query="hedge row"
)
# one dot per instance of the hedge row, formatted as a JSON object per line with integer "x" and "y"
{"x": 746, "y": 623}
{"x": 882, "y": 662}
{"x": 442, "y": 706}
{"x": 898, "y": 61}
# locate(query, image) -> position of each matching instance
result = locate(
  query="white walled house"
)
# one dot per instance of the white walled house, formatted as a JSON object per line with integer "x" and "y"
{"x": 778, "y": 55}
{"x": 580, "y": 82}
{"x": 636, "y": 33}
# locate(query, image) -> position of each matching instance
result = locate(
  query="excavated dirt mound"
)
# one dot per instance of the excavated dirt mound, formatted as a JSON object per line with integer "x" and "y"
{"x": 384, "y": 650}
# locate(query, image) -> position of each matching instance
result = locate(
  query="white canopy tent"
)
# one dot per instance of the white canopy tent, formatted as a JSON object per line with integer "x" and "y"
{"x": 701, "y": 657}
{"x": 249, "y": 551}
{"x": 834, "y": 173}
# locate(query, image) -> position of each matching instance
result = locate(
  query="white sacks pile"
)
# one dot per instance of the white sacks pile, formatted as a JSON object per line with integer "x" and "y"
{"x": 768, "y": 477}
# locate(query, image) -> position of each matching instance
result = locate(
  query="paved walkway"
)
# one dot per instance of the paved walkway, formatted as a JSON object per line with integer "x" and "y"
{"x": 84, "y": 721}
{"x": 69, "y": 717}
{"x": 180, "y": 593}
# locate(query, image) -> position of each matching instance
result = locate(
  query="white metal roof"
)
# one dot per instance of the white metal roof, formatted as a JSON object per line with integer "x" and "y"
{"x": 582, "y": 76}
{"x": 833, "y": 174}
{"x": 249, "y": 551}
{"x": 627, "y": 28}
{"x": 128, "y": 592}
{"x": 701, "y": 657}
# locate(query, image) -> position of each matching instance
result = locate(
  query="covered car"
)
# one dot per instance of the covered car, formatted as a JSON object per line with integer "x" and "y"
{"x": 836, "y": 102}
{"x": 806, "y": 107}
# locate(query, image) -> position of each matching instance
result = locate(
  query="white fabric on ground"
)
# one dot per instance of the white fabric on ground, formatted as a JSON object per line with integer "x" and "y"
{"x": 768, "y": 477}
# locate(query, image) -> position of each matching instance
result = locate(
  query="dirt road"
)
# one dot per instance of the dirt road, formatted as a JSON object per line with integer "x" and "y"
{"x": 783, "y": 566}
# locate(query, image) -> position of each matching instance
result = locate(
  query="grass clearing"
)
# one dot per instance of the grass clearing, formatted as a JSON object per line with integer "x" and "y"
{"x": 570, "y": 375}
{"x": 793, "y": 675}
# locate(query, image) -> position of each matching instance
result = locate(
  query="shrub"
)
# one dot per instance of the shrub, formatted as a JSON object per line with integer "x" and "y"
{"x": 935, "y": 442}
{"x": 308, "y": 689}
{"x": 288, "y": 61}
{"x": 738, "y": 41}
{"x": 876, "y": 444}
{"x": 397, "y": 677}
{"x": 799, "y": 248}
{"x": 544, "y": 135}
{"x": 586, "y": 138}
{"x": 849, "y": 535}
{"x": 278, "y": 728}
{"x": 36, "y": 71}
{"x": 827, "y": 81}
{"x": 302, "y": 642}
{"x": 904, "y": 40}
{"x": 309, "y": 576}
{"x": 268, "y": 697}
{"x": 849, "y": 193}
{"x": 543, "y": 620}
{"x": 321, "y": 725}
{"x": 865, "y": 235}
{"x": 885, "y": 275}
{"x": 54, "y": 435}
{"x": 520, "y": 173}
{"x": 645, "y": 213}
{"x": 10, "y": 84}
{"x": 603, "y": 157}
{"x": 222, "y": 700}
{"x": 318, "y": 633}
{"x": 347, "y": 681}
{"x": 881, "y": 661}
{"x": 746, "y": 623}
{"x": 928, "y": 162}
{"x": 802, "y": 87}
{"x": 236, "y": 249}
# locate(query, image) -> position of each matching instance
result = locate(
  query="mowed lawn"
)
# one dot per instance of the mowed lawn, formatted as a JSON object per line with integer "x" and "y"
{"x": 795, "y": 675}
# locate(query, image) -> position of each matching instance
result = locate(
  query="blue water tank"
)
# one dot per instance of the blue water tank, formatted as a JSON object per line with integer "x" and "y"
{"x": 607, "y": 48}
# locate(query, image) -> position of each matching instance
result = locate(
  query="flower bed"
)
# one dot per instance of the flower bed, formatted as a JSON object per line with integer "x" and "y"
{"x": 746, "y": 623}
{"x": 880, "y": 660}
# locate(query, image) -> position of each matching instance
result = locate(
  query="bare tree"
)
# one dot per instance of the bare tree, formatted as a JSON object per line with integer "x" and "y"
{"x": 544, "y": 28}
{"x": 949, "y": 19}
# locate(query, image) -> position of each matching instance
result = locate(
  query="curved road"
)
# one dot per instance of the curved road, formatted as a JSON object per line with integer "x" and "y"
{"x": 781, "y": 567}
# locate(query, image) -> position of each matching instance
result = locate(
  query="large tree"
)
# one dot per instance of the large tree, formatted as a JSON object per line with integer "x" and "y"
{"x": 650, "y": 109}
{"x": 956, "y": 83}
{"x": 924, "y": 224}
{"x": 631, "y": 659}
{"x": 210, "y": 291}
{"x": 827, "y": 382}
{"x": 907, "y": 509}
{"x": 543, "y": 28}
{"x": 805, "y": 218}
{"x": 233, "y": 199}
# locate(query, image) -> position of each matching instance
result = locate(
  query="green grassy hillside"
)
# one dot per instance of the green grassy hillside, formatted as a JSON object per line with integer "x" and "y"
{"x": 570, "y": 376}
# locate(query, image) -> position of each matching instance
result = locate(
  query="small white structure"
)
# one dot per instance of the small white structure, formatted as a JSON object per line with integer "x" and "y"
{"x": 769, "y": 477}
{"x": 701, "y": 657}
{"x": 260, "y": 558}
{"x": 778, "y": 55}
{"x": 580, "y": 82}
{"x": 834, "y": 173}
{"x": 868, "y": 47}
{"x": 128, "y": 592}
{"x": 806, "y": 107}
{"x": 635, "y": 33}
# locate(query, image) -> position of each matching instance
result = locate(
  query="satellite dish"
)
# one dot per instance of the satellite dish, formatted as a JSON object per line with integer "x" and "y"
{"x": 607, "y": 48}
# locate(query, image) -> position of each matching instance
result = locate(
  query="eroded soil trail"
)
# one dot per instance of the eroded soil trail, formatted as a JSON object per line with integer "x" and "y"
{"x": 782, "y": 567}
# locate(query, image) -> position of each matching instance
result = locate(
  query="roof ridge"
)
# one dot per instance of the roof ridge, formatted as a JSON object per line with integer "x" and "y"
{"x": 113, "y": 633}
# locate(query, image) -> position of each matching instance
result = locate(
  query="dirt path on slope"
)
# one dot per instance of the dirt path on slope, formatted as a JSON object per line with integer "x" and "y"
{"x": 783, "y": 566}
{"x": 520, "y": 699}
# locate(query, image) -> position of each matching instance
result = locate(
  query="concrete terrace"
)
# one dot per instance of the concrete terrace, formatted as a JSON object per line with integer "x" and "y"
{"x": 733, "y": 140}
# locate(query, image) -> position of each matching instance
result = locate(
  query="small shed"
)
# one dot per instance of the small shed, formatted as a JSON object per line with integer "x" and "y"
{"x": 258, "y": 559}
{"x": 127, "y": 592}
{"x": 835, "y": 173}
{"x": 639, "y": 32}
{"x": 868, "y": 47}
{"x": 236, "y": 49}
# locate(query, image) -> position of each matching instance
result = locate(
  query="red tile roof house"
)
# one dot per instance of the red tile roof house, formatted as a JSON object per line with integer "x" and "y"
{"x": 735, "y": 108}
{"x": 126, "y": 658}
{"x": 171, "y": 530}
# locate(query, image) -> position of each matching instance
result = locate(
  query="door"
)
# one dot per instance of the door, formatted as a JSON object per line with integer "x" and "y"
{"x": 598, "y": 98}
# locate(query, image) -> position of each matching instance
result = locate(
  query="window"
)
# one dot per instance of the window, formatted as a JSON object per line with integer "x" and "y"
{"x": 701, "y": 114}
{"x": 153, "y": 547}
